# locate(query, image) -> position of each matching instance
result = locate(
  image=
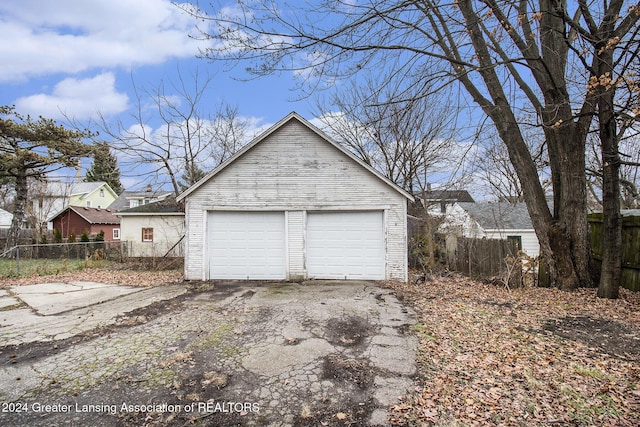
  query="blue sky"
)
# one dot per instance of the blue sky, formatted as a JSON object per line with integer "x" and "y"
{"x": 70, "y": 59}
{"x": 77, "y": 57}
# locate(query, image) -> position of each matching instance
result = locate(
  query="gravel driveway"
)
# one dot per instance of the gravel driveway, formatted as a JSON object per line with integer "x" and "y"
{"x": 317, "y": 353}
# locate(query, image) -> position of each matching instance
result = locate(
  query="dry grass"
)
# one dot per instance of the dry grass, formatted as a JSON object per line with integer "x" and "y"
{"x": 112, "y": 273}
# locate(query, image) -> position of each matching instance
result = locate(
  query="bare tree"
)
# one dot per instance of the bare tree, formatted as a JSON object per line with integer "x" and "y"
{"x": 189, "y": 141}
{"x": 495, "y": 170}
{"x": 228, "y": 132}
{"x": 406, "y": 137}
{"x": 510, "y": 57}
{"x": 629, "y": 173}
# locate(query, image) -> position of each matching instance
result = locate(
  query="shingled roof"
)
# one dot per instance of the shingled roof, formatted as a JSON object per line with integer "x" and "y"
{"x": 94, "y": 215}
{"x": 166, "y": 206}
{"x": 499, "y": 215}
{"x": 448, "y": 195}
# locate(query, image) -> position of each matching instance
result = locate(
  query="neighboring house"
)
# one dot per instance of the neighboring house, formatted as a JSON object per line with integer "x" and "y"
{"x": 154, "y": 229}
{"x": 51, "y": 197}
{"x": 493, "y": 220}
{"x": 133, "y": 199}
{"x": 75, "y": 220}
{"x": 293, "y": 205}
{"x": 439, "y": 201}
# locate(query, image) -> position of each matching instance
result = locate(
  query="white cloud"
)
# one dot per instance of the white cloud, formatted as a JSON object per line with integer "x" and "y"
{"x": 77, "y": 99}
{"x": 69, "y": 36}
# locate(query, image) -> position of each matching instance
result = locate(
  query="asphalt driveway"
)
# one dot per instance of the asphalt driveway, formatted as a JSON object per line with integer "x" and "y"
{"x": 316, "y": 353}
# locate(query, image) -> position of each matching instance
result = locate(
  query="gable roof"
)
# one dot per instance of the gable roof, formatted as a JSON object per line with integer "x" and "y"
{"x": 448, "y": 196}
{"x": 82, "y": 189}
{"x": 499, "y": 215}
{"x": 167, "y": 206}
{"x": 291, "y": 116}
{"x": 91, "y": 215}
{"x": 122, "y": 202}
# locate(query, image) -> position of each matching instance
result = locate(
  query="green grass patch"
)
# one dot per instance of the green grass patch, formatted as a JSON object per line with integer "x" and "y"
{"x": 10, "y": 268}
{"x": 424, "y": 332}
{"x": 587, "y": 371}
{"x": 215, "y": 338}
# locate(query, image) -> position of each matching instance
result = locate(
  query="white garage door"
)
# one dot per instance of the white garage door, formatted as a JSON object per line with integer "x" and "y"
{"x": 246, "y": 245}
{"x": 345, "y": 245}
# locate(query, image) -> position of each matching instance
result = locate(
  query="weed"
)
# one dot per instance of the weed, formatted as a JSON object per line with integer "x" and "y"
{"x": 212, "y": 339}
{"x": 423, "y": 332}
{"x": 587, "y": 371}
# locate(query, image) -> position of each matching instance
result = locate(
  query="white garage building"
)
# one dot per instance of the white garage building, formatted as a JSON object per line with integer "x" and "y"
{"x": 294, "y": 205}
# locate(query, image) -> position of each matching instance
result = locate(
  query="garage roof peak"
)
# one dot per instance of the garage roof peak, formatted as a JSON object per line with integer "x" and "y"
{"x": 265, "y": 135}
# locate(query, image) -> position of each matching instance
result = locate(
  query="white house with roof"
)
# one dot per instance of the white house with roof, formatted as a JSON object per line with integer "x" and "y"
{"x": 493, "y": 220}
{"x": 133, "y": 198}
{"x": 154, "y": 229}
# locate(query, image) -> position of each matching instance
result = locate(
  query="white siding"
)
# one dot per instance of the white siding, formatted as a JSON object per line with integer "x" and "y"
{"x": 167, "y": 231}
{"x": 530, "y": 244}
{"x": 296, "y": 244}
{"x": 295, "y": 170}
{"x": 5, "y": 219}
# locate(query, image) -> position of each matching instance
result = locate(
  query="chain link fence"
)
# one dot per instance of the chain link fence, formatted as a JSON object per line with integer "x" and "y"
{"x": 79, "y": 251}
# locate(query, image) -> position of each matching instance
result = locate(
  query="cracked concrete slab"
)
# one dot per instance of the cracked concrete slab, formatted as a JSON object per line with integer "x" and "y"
{"x": 55, "y": 298}
{"x": 300, "y": 353}
{"x": 7, "y": 300}
{"x": 277, "y": 359}
{"x": 27, "y": 324}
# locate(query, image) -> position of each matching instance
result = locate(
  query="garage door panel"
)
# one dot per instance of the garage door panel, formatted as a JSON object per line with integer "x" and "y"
{"x": 345, "y": 245}
{"x": 246, "y": 245}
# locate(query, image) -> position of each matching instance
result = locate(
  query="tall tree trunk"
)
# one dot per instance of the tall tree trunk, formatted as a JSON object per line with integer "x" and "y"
{"x": 563, "y": 234}
{"x": 570, "y": 257}
{"x": 611, "y": 273}
{"x": 13, "y": 238}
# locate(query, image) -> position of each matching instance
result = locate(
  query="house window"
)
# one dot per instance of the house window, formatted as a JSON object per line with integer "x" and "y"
{"x": 88, "y": 203}
{"x": 116, "y": 234}
{"x": 147, "y": 234}
{"x": 133, "y": 203}
{"x": 517, "y": 239}
{"x": 101, "y": 192}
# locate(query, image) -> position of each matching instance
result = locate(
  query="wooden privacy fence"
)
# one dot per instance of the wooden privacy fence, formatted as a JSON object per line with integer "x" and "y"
{"x": 630, "y": 246}
{"x": 488, "y": 258}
